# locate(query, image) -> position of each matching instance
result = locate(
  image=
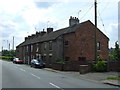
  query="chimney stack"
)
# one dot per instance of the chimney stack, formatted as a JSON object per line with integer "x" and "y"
{"x": 43, "y": 32}
{"x": 26, "y": 38}
{"x": 33, "y": 35}
{"x": 73, "y": 21}
{"x": 49, "y": 30}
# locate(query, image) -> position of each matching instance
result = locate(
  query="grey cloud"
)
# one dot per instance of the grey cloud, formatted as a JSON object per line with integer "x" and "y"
{"x": 5, "y": 26}
{"x": 44, "y": 4}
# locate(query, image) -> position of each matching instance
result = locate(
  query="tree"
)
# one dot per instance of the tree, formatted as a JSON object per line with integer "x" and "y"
{"x": 10, "y": 53}
{"x": 115, "y": 53}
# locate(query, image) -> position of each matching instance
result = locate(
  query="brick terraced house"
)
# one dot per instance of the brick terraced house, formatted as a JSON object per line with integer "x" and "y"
{"x": 74, "y": 44}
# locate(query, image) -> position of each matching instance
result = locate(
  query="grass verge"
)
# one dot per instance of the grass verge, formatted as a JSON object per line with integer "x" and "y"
{"x": 113, "y": 78}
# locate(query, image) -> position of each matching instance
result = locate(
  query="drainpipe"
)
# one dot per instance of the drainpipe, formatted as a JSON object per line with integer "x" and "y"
{"x": 63, "y": 46}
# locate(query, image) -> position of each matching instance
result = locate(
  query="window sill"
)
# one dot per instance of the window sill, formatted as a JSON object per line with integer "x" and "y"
{"x": 98, "y": 50}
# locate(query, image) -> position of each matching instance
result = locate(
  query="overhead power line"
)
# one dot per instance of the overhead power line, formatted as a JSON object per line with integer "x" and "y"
{"x": 86, "y": 12}
{"x": 101, "y": 20}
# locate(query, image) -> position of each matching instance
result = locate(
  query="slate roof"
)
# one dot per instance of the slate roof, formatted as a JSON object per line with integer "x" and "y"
{"x": 54, "y": 35}
{"x": 51, "y": 36}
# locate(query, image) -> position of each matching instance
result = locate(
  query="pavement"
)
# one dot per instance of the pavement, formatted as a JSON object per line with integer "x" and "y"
{"x": 92, "y": 76}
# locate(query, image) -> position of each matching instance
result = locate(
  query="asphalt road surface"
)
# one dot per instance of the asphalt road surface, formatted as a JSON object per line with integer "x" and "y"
{"x": 23, "y": 76}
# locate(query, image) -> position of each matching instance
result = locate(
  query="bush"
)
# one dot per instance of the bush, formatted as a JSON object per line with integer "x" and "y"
{"x": 61, "y": 62}
{"x": 6, "y": 58}
{"x": 100, "y": 65}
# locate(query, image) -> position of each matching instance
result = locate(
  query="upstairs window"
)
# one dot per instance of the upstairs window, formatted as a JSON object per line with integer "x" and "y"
{"x": 98, "y": 45}
{"x": 45, "y": 45}
{"x": 66, "y": 43}
{"x": 37, "y": 47}
{"x": 26, "y": 48}
{"x": 50, "y": 45}
{"x": 31, "y": 48}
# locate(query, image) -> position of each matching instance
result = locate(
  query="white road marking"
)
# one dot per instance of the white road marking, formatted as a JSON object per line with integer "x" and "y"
{"x": 54, "y": 85}
{"x": 35, "y": 76}
{"x": 22, "y": 69}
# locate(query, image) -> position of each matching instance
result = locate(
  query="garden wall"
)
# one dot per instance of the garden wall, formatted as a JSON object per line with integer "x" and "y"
{"x": 114, "y": 66}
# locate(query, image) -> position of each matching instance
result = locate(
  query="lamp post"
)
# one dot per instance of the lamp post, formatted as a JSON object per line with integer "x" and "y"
{"x": 78, "y": 13}
{"x": 6, "y": 44}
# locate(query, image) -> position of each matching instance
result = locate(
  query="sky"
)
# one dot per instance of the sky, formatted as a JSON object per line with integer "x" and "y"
{"x": 20, "y": 18}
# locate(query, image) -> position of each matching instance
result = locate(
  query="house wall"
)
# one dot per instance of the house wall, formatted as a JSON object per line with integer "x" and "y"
{"x": 50, "y": 56}
{"x": 19, "y": 52}
{"x": 81, "y": 43}
{"x": 104, "y": 47}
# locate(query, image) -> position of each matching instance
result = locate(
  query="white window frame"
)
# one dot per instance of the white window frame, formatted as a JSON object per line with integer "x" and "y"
{"x": 27, "y": 48}
{"x": 31, "y": 48}
{"x": 45, "y": 45}
{"x": 37, "y": 47}
{"x": 98, "y": 46}
{"x": 50, "y": 45}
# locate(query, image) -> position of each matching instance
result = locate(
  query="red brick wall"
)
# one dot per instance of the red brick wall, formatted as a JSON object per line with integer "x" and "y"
{"x": 71, "y": 66}
{"x": 114, "y": 66}
{"x": 81, "y": 43}
{"x": 104, "y": 45}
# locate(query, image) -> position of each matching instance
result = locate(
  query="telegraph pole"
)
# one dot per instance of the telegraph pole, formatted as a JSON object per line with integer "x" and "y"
{"x": 95, "y": 2}
{"x": 9, "y": 46}
{"x": 2, "y": 48}
{"x": 13, "y": 43}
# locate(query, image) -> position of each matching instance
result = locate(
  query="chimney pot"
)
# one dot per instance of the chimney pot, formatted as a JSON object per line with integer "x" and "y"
{"x": 73, "y": 21}
{"x": 49, "y": 30}
{"x": 42, "y": 33}
{"x": 26, "y": 38}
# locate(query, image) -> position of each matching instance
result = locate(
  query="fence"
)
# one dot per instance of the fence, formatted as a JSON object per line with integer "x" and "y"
{"x": 114, "y": 66}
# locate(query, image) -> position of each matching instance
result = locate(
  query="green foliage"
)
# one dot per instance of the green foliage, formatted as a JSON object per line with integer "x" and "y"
{"x": 10, "y": 53}
{"x": 6, "y": 58}
{"x": 113, "y": 78}
{"x": 100, "y": 65}
{"x": 7, "y": 55}
{"x": 115, "y": 54}
{"x": 60, "y": 61}
{"x": 100, "y": 58}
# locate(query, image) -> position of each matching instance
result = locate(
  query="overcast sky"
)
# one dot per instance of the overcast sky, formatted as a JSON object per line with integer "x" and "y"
{"x": 20, "y": 18}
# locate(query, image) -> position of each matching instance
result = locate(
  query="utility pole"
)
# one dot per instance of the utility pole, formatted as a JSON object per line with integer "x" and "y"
{"x": 95, "y": 2}
{"x": 9, "y": 46}
{"x": 2, "y": 48}
{"x": 13, "y": 43}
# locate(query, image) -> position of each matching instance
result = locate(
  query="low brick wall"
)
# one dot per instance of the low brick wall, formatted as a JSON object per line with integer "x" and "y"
{"x": 114, "y": 66}
{"x": 71, "y": 66}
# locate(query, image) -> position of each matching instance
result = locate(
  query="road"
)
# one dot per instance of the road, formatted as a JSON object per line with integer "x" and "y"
{"x": 23, "y": 76}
